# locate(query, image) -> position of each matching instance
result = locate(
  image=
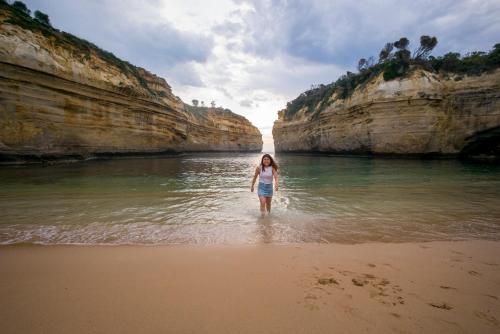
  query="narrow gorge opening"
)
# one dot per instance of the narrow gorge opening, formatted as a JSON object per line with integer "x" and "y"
{"x": 268, "y": 143}
{"x": 484, "y": 145}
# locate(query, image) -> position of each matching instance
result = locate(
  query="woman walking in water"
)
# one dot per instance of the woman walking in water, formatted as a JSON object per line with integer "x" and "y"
{"x": 266, "y": 171}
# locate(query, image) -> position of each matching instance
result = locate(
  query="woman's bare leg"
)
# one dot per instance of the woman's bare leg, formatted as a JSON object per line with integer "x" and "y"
{"x": 268, "y": 204}
{"x": 262, "y": 200}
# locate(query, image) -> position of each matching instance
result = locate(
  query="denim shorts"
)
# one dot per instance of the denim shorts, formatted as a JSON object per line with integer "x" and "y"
{"x": 265, "y": 189}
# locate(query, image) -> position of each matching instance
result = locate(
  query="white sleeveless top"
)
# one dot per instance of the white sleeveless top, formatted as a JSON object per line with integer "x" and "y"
{"x": 267, "y": 175}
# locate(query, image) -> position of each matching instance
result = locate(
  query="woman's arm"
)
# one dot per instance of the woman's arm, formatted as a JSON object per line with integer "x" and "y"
{"x": 257, "y": 171}
{"x": 275, "y": 174}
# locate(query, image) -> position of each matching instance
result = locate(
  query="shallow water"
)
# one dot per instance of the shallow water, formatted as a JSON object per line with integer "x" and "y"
{"x": 206, "y": 198}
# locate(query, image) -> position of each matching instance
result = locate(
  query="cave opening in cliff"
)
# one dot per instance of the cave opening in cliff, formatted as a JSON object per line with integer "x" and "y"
{"x": 484, "y": 145}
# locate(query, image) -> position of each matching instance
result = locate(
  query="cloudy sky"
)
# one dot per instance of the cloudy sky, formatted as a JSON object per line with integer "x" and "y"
{"x": 254, "y": 56}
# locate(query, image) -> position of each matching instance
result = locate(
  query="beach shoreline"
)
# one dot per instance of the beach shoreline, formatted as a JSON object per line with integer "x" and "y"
{"x": 437, "y": 286}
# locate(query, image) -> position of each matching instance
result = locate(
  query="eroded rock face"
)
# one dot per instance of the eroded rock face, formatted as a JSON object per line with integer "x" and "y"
{"x": 424, "y": 113}
{"x": 59, "y": 98}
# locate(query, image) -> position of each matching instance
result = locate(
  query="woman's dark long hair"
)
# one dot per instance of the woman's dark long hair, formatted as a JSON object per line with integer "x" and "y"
{"x": 273, "y": 163}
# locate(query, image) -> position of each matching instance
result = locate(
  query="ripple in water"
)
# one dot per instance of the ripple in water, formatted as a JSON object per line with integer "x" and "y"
{"x": 206, "y": 199}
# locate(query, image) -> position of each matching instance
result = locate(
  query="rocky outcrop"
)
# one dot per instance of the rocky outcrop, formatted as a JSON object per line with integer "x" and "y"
{"x": 61, "y": 96}
{"x": 422, "y": 114}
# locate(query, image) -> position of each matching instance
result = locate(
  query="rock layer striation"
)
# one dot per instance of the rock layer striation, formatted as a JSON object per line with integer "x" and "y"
{"x": 61, "y": 96}
{"x": 422, "y": 114}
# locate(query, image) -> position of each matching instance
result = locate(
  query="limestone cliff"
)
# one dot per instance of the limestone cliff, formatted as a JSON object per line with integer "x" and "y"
{"x": 63, "y": 96}
{"x": 422, "y": 113}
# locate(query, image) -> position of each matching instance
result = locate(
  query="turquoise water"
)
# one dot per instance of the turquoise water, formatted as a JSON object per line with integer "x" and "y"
{"x": 206, "y": 199}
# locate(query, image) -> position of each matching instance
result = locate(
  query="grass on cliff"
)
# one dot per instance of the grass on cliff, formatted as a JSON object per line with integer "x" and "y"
{"x": 395, "y": 61}
{"x": 81, "y": 48}
{"x": 201, "y": 112}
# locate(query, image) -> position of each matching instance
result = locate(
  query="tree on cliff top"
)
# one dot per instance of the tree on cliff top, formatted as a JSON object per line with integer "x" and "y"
{"x": 42, "y": 18}
{"x": 20, "y": 6}
{"x": 393, "y": 65}
{"x": 427, "y": 44}
{"x": 385, "y": 52}
{"x": 494, "y": 56}
{"x": 195, "y": 102}
{"x": 402, "y": 44}
{"x": 364, "y": 64}
{"x": 397, "y": 64}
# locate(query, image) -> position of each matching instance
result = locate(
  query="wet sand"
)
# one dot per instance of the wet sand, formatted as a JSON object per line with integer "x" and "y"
{"x": 434, "y": 287}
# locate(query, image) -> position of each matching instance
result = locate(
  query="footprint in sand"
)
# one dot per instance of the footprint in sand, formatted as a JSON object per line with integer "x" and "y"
{"x": 380, "y": 289}
{"x": 474, "y": 273}
{"x": 359, "y": 281}
{"x": 319, "y": 289}
{"x": 310, "y": 296}
{"x": 383, "y": 286}
{"x": 443, "y": 306}
{"x": 310, "y": 302}
{"x": 396, "y": 315}
{"x": 491, "y": 296}
{"x": 487, "y": 317}
{"x": 385, "y": 281}
{"x": 396, "y": 289}
{"x": 457, "y": 252}
{"x": 447, "y": 287}
{"x": 326, "y": 281}
{"x": 490, "y": 264}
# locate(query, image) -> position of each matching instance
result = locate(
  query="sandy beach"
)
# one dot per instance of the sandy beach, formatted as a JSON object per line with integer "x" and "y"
{"x": 434, "y": 287}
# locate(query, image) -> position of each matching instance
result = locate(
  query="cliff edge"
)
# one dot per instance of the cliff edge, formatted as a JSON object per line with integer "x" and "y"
{"x": 62, "y": 96}
{"x": 421, "y": 113}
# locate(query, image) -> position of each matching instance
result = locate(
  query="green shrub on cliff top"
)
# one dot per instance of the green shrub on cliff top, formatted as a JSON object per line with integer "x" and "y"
{"x": 394, "y": 65}
{"x": 202, "y": 112}
{"x": 474, "y": 63}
